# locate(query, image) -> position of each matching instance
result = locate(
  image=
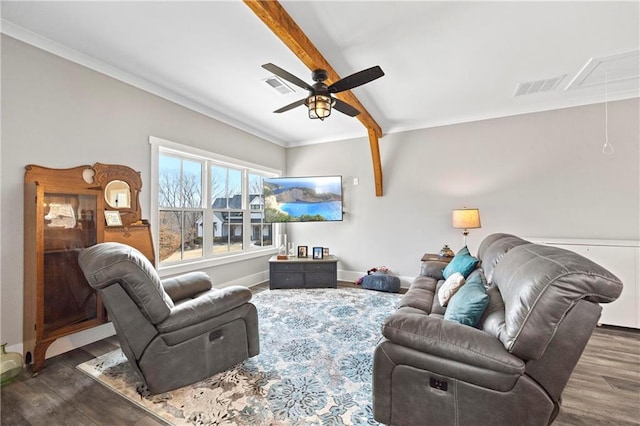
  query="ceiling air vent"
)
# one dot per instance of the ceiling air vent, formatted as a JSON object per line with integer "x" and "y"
{"x": 538, "y": 86}
{"x": 279, "y": 85}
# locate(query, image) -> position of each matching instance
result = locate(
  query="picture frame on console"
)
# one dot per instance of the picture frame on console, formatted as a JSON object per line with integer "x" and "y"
{"x": 317, "y": 252}
{"x": 302, "y": 251}
{"x": 325, "y": 252}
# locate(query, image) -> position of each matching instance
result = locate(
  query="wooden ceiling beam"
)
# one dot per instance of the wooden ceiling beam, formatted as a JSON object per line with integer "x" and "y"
{"x": 285, "y": 28}
{"x": 377, "y": 165}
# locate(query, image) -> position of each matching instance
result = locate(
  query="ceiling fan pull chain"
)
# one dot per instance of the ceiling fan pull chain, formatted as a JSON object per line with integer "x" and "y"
{"x": 607, "y": 148}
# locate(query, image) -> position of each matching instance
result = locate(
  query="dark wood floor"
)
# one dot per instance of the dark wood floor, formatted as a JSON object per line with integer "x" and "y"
{"x": 603, "y": 390}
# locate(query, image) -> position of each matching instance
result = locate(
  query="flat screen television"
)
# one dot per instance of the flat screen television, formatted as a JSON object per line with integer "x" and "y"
{"x": 303, "y": 199}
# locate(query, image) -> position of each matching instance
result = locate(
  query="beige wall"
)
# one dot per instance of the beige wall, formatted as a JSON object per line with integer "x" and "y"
{"x": 58, "y": 114}
{"x": 540, "y": 174}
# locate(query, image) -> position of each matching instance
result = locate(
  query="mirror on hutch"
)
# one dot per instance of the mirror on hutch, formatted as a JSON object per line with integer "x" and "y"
{"x": 64, "y": 211}
{"x": 121, "y": 187}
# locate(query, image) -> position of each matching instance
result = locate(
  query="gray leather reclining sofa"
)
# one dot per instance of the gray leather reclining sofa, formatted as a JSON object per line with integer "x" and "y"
{"x": 512, "y": 367}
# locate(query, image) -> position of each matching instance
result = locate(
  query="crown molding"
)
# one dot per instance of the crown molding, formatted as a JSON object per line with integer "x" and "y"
{"x": 72, "y": 55}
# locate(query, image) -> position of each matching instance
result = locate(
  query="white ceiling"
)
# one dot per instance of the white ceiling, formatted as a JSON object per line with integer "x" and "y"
{"x": 445, "y": 62}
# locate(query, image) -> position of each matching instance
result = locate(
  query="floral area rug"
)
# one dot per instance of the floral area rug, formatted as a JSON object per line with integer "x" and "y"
{"x": 314, "y": 367}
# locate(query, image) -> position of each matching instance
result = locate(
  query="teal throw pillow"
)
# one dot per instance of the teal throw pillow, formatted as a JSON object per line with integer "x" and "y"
{"x": 469, "y": 303}
{"x": 462, "y": 262}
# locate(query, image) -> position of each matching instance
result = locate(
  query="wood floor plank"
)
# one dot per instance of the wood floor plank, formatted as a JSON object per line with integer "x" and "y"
{"x": 9, "y": 408}
{"x": 40, "y": 406}
{"x": 68, "y": 382}
{"x": 604, "y": 388}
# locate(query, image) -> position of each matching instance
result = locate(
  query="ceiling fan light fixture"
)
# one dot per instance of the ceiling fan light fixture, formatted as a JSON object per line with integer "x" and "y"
{"x": 319, "y": 106}
{"x": 320, "y": 102}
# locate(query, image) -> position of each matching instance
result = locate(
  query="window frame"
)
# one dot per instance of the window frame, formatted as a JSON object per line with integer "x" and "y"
{"x": 208, "y": 259}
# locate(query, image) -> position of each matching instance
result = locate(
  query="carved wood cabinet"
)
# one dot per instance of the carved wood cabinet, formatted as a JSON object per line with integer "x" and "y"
{"x": 63, "y": 214}
{"x": 121, "y": 186}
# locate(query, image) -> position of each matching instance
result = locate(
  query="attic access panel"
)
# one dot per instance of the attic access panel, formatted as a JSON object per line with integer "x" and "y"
{"x": 624, "y": 67}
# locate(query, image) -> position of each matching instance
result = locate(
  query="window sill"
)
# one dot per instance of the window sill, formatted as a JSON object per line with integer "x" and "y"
{"x": 210, "y": 262}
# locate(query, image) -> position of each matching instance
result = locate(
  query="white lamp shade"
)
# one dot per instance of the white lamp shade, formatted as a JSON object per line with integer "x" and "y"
{"x": 466, "y": 218}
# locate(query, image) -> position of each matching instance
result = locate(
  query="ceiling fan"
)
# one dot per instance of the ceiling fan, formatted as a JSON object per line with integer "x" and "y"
{"x": 319, "y": 102}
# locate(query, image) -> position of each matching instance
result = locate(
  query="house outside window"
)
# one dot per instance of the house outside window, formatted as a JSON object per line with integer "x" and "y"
{"x": 208, "y": 206}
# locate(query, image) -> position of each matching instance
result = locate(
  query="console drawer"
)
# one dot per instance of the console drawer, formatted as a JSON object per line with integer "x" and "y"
{"x": 317, "y": 279}
{"x": 287, "y": 267}
{"x": 319, "y": 267}
{"x": 287, "y": 280}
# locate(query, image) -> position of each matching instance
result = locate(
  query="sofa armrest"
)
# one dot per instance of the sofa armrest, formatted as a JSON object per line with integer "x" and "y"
{"x": 186, "y": 285}
{"x": 452, "y": 341}
{"x": 204, "y": 307}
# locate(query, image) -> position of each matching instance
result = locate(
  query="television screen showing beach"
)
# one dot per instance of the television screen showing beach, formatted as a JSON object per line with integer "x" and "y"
{"x": 303, "y": 199}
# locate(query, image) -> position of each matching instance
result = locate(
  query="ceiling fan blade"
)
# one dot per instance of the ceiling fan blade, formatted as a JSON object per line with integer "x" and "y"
{"x": 290, "y": 106}
{"x": 345, "y": 108}
{"x": 287, "y": 76}
{"x": 355, "y": 80}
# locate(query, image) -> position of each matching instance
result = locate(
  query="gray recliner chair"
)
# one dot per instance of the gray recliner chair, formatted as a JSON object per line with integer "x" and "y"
{"x": 544, "y": 303}
{"x": 176, "y": 331}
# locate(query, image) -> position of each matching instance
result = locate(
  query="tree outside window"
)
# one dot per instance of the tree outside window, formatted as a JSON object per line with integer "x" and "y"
{"x": 208, "y": 209}
{"x": 181, "y": 211}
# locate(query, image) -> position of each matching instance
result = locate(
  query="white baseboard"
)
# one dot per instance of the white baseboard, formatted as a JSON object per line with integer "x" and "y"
{"x": 246, "y": 281}
{"x": 77, "y": 340}
{"x": 72, "y": 341}
{"x": 18, "y": 347}
{"x": 353, "y": 276}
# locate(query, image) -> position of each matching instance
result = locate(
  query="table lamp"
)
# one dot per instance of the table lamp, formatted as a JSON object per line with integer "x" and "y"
{"x": 466, "y": 219}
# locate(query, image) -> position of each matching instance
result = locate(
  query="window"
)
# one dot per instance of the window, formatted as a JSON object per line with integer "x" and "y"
{"x": 208, "y": 206}
{"x": 228, "y": 212}
{"x": 181, "y": 212}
